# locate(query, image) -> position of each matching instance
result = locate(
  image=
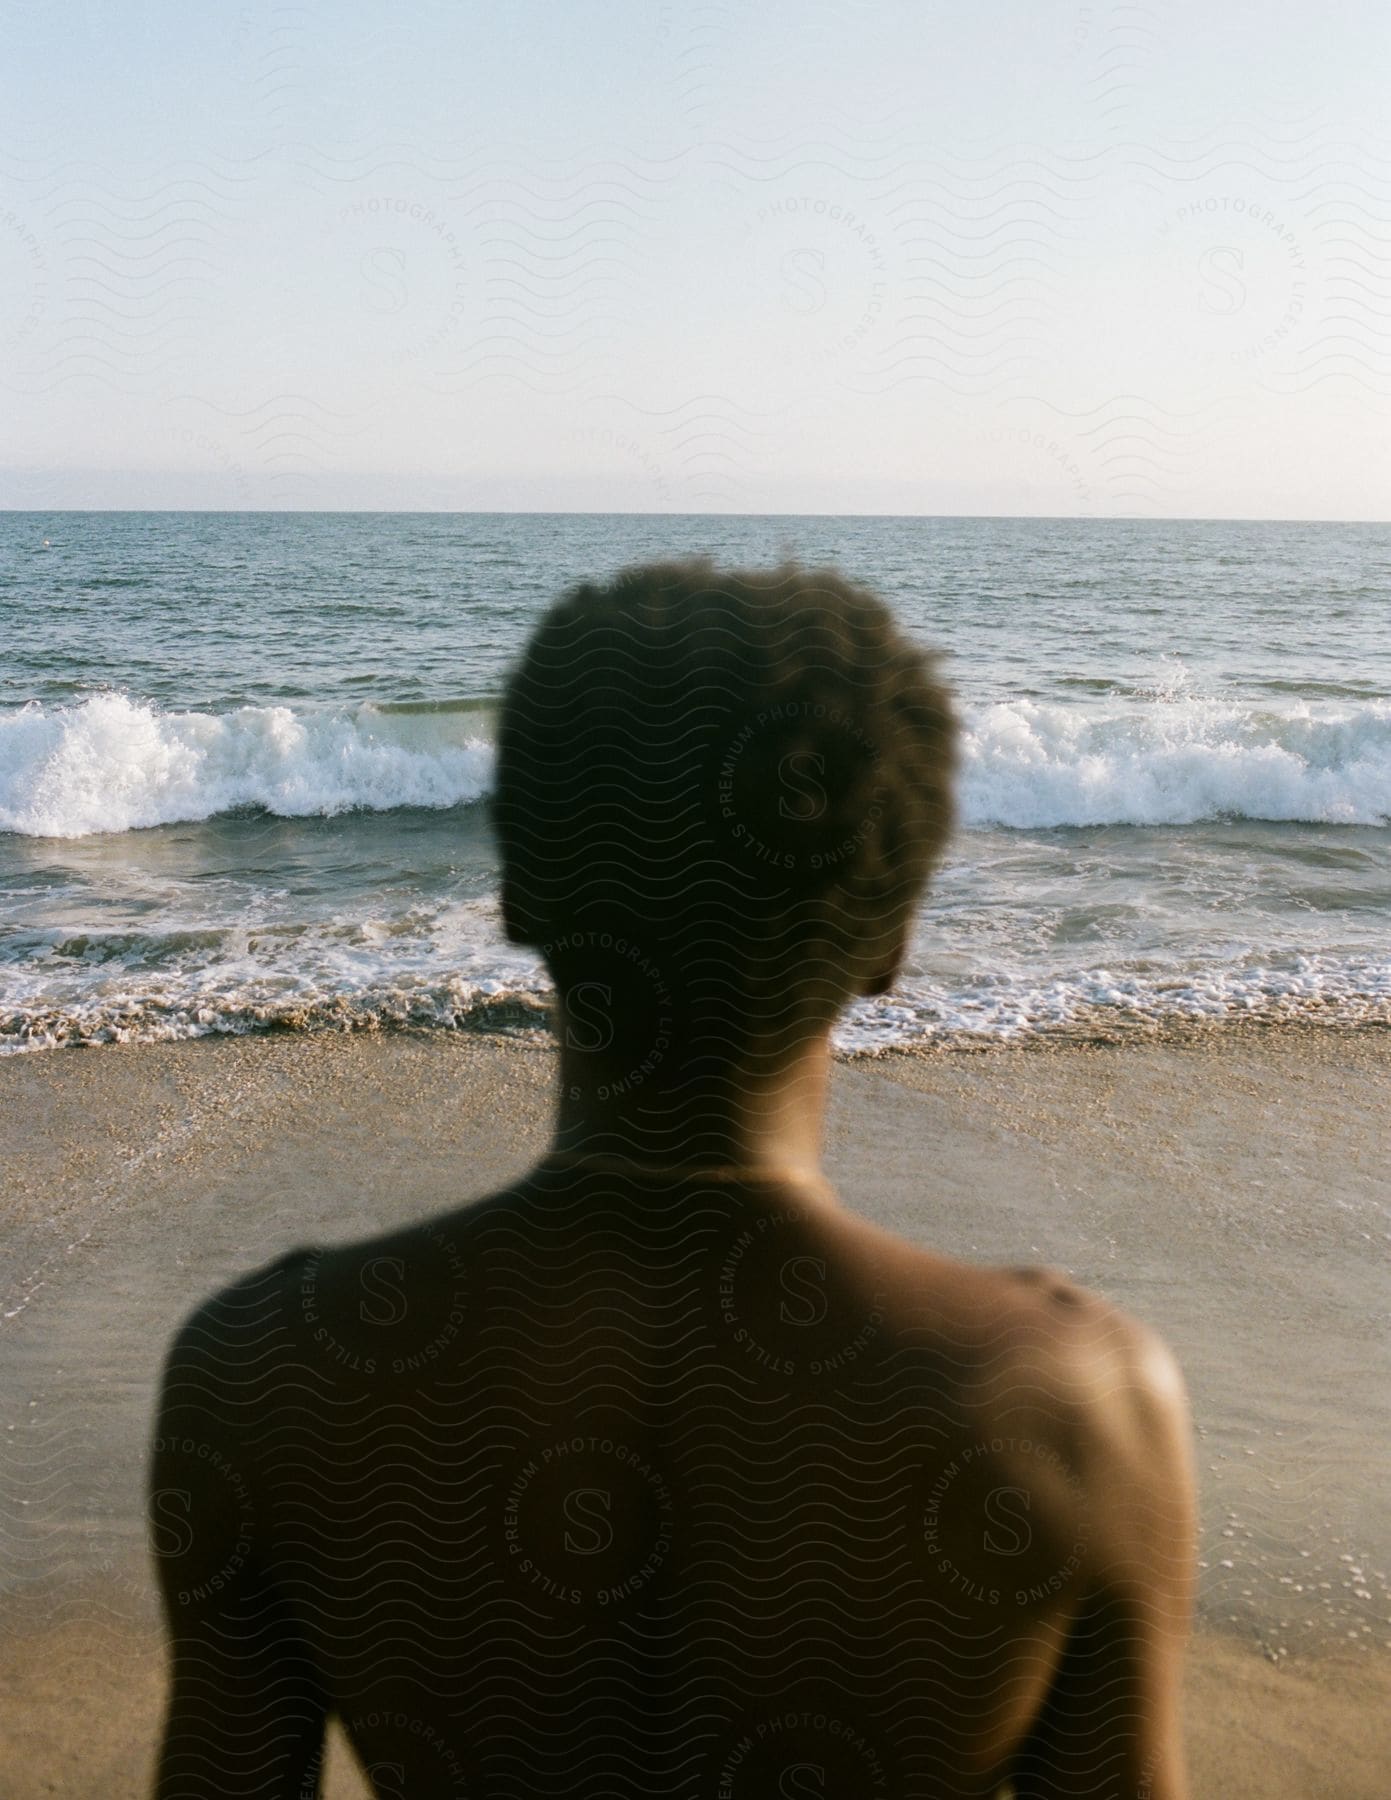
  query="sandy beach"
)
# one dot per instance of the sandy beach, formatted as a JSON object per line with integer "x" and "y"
{"x": 1229, "y": 1189}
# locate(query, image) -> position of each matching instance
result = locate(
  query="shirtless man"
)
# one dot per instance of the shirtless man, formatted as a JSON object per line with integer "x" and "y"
{"x": 660, "y": 1473}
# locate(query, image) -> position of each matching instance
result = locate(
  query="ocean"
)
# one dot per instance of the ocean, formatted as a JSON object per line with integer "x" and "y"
{"x": 243, "y": 760}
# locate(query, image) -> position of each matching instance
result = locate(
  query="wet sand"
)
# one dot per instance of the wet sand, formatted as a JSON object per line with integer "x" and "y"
{"x": 1231, "y": 1190}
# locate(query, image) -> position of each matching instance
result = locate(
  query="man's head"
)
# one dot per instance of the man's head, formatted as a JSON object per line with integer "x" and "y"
{"x": 746, "y": 776}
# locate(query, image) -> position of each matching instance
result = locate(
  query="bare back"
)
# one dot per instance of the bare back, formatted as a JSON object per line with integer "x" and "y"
{"x": 612, "y": 1485}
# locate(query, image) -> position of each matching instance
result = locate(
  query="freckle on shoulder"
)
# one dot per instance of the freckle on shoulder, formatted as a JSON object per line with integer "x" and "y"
{"x": 1053, "y": 1285}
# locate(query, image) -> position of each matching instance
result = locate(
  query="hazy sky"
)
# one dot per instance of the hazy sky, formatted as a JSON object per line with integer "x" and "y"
{"x": 1002, "y": 257}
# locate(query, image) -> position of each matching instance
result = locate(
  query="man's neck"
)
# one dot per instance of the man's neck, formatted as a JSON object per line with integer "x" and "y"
{"x": 757, "y": 1113}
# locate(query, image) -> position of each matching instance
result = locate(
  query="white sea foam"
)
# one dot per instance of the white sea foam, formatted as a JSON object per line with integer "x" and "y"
{"x": 113, "y": 763}
{"x": 1116, "y": 1002}
{"x": 316, "y": 986}
{"x": 1033, "y": 764}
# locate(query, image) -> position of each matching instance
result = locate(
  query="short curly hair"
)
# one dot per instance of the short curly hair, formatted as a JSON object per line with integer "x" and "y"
{"x": 748, "y": 774}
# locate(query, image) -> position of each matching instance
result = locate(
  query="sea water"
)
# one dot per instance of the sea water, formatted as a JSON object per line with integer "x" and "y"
{"x": 244, "y": 761}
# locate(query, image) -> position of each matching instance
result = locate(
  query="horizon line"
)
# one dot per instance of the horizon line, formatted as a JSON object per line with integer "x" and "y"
{"x": 270, "y": 512}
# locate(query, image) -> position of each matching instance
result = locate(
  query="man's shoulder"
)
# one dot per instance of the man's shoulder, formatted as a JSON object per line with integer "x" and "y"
{"x": 228, "y": 1332}
{"x": 235, "y": 1310}
{"x": 1033, "y": 1345}
{"x": 254, "y": 1303}
{"x": 394, "y": 1305}
{"x": 1107, "y": 1353}
{"x": 1111, "y": 1382}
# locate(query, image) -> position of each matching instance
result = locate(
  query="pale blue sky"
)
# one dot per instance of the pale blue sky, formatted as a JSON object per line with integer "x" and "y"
{"x": 1110, "y": 259}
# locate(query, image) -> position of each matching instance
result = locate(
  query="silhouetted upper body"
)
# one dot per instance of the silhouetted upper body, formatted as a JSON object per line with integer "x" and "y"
{"x": 622, "y": 1483}
{"x": 663, "y": 1473}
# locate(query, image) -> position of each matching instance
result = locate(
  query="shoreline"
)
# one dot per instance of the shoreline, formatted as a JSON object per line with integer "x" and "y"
{"x": 525, "y": 1018}
{"x": 1230, "y": 1191}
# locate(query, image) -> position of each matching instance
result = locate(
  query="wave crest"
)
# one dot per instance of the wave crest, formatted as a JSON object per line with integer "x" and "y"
{"x": 115, "y": 764}
{"x": 111, "y": 763}
{"x": 1033, "y": 765}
